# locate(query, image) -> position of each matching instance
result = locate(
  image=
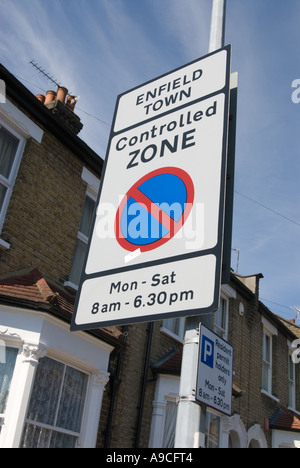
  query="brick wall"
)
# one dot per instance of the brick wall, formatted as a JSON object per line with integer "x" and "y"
{"x": 127, "y": 402}
{"x": 44, "y": 212}
{"x": 246, "y": 335}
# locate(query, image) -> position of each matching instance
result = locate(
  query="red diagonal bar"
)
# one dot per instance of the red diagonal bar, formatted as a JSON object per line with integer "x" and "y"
{"x": 155, "y": 211}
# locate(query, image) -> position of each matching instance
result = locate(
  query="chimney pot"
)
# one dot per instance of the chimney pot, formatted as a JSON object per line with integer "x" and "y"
{"x": 41, "y": 98}
{"x": 50, "y": 96}
{"x": 292, "y": 320}
{"x": 61, "y": 94}
{"x": 71, "y": 102}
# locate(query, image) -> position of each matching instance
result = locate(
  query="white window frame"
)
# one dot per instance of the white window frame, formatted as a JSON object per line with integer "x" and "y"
{"x": 227, "y": 292}
{"x": 22, "y": 127}
{"x": 166, "y": 389}
{"x": 224, "y": 310}
{"x": 268, "y": 331}
{"x": 169, "y": 326}
{"x": 267, "y": 364}
{"x": 10, "y": 343}
{"x": 291, "y": 379}
{"x": 91, "y": 192}
{"x": 53, "y": 427}
{"x": 10, "y": 182}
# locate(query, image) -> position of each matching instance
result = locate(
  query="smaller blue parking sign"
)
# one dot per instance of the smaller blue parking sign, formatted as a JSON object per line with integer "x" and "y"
{"x": 215, "y": 370}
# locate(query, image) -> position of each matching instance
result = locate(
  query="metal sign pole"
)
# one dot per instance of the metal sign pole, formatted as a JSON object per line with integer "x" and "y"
{"x": 190, "y": 415}
{"x": 217, "y": 28}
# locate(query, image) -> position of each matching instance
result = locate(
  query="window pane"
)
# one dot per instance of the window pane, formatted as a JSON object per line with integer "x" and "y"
{"x": 57, "y": 401}
{"x": 176, "y": 326}
{"x": 72, "y": 400}
{"x": 8, "y": 148}
{"x": 7, "y": 365}
{"x": 35, "y": 437}
{"x": 220, "y": 319}
{"x": 291, "y": 369}
{"x": 265, "y": 382}
{"x": 2, "y": 195}
{"x": 44, "y": 398}
{"x": 87, "y": 216}
{"x": 77, "y": 263}
{"x": 267, "y": 349}
{"x": 170, "y": 425}
{"x": 212, "y": 431}
{"x": 59, "y": 440}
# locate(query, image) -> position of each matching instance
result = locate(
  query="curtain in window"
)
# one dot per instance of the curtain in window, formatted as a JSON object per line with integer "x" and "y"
{"x": 55, "y": 407}
{"x": 212, "y": 431}
{"x": 71, "y": 403}
{"x": 170, "y": 425}
{"x": 45, "y": 394}
{"x": 8, "y": 148}
{"x": 7, "y": 365}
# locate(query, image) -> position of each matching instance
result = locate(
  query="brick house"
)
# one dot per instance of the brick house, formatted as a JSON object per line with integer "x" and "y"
{"x": 52, "y": 381}
{"x": 49, "y": 180}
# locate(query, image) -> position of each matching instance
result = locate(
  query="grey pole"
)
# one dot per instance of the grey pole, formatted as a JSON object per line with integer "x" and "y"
{"x": 217, "y": 28}
{"x": 190, "y": 415}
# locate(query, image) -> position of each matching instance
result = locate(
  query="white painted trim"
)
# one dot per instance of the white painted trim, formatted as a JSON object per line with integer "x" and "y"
{"x": 4, "y": 245}
{"x": 90, "y": 179}
{"x": 22, "y": 124}
{"x": 269, "y": 329}
{"x": 228, "y": 291}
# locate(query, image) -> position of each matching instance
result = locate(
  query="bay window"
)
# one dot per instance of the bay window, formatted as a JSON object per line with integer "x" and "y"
{"x": 56, "y": 406}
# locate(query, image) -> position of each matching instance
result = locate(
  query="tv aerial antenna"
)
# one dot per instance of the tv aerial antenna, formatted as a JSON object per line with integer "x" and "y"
{"x": 297, "y": 310}
{"x": 43, "y": 72}
{"x": 50, "y": 78}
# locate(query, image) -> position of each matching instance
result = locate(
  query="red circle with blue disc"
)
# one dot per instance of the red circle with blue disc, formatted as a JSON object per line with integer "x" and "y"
{"x": 154, "y": 209}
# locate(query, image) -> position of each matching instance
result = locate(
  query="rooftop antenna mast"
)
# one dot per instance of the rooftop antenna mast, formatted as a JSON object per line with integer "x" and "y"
{"x": 43, "y": 72}
{"x": 297, "y": 310}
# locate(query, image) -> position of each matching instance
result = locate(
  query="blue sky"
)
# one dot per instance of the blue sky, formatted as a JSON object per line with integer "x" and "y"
{"x": 101, "y": 48}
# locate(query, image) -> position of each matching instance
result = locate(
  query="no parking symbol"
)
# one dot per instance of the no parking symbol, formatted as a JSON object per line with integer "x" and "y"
{"x": 154, "y": 209}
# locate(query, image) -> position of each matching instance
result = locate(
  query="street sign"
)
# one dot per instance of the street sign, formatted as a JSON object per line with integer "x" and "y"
{"x": 215, "y": 371}
{"x": 161, "y": 200}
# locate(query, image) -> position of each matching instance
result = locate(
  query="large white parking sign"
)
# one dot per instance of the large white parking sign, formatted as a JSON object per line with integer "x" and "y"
{"x": 161, "y": 202}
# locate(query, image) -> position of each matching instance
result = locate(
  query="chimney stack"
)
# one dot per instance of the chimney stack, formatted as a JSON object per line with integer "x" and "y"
{"x": 62, "y": 105}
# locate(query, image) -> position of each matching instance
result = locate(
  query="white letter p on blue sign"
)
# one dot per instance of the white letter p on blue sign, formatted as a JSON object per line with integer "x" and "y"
{"x": 207, "y": 352}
